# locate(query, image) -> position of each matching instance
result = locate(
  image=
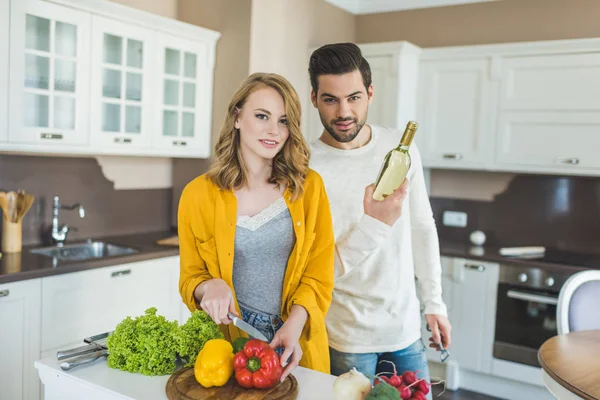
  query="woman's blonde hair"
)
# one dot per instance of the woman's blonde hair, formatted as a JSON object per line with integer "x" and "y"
{"x": 290, "y": 165}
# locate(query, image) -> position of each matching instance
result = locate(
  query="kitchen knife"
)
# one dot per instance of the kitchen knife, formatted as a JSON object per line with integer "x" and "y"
{"x": 97, "y": 344}
{"x": 246, "y": 327}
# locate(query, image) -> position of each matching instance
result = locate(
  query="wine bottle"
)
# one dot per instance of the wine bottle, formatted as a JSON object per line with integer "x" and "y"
{"x": 395, "y": 165}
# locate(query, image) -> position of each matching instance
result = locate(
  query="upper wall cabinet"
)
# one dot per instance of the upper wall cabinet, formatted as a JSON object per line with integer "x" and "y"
{"x": 121, "y": 84}
{"x": 49, "y": 74}
{"x": 4, "y": 46}
{"x": 93, "y": 77}
{"x": 521, "y": 107}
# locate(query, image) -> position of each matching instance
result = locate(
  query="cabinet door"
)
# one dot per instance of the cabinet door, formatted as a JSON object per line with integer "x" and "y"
{"x": 475, "y": 312}
{"x": 122, "y": 67}
{"x": 184, "y": 97}
{"x": 81, "y": 304}
{"x": 4, "y": 45}
{"x": 453, "y": 112}
{"x": 49, "y": 74}
{"x": 19, "y": 339}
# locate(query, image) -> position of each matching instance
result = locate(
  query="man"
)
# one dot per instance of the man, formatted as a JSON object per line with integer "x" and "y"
{"x": 381, "y": 246}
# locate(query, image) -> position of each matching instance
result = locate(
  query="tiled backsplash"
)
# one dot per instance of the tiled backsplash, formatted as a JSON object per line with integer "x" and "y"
{"x": 108, "y": 211}
{"x": 558, "y": 212}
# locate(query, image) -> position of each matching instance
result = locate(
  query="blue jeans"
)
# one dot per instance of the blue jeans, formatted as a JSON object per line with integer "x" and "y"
{"x": 266, "y": 324}
{"x": 412, "y": 358}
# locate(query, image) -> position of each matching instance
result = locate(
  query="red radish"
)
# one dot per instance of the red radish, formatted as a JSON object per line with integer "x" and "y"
{"x": 418, "y": 396}
{"x": 409, "y": 377}
{"x": 384, "y": 378}
{"x": 394, "y": 380}
{"x": 422, "y": 386}
{"x": 404, "y": 392}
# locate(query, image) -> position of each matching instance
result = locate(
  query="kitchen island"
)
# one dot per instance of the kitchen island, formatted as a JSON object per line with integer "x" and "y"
{"x": 98, "y": 382}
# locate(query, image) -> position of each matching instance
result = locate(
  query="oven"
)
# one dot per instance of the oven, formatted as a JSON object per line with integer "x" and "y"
{"x": 526, "y": 310}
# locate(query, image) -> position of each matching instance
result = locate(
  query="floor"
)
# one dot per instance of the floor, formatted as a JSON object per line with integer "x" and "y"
{"x": 460, "y": 395}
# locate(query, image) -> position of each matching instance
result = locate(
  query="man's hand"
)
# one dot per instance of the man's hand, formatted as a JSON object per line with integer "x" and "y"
{"x": 440, "y": 330}
{"x": 389, "y": 209}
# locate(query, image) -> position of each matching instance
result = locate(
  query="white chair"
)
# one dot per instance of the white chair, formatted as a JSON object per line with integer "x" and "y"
{"x": 577, "y": 308}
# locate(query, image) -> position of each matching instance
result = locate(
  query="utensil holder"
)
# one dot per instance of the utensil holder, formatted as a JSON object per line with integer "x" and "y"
{"x": 11, "y": 236}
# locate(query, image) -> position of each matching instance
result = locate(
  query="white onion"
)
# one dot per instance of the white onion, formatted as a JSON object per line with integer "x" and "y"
{"x": 352, "y": 385}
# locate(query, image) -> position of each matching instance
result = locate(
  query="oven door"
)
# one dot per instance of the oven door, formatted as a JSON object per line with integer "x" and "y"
{"x": 525, "y": 319}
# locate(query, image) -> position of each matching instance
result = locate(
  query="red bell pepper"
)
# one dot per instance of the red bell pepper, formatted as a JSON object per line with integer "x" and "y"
{"x": 257, "y": 365}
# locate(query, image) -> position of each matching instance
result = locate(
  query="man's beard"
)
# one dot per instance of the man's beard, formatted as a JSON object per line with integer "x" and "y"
{"x": 347, "y": 136}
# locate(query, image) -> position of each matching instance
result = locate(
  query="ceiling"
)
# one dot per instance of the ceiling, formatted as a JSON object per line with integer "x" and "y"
{"x": 380, "y": 6}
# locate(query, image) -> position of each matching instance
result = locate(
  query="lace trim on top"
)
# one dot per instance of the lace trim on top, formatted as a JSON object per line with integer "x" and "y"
{"x": 266, "y": 215}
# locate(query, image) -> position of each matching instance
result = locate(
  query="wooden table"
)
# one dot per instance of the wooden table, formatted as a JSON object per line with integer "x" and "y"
{"x": 572, "y": 361}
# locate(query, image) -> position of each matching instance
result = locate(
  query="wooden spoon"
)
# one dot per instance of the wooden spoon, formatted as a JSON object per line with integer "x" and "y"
{"x": 27, "y": 202}
{"x": 4, "y": 204}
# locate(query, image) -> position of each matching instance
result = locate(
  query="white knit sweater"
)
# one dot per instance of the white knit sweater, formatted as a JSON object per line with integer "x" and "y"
{"x": 375, "y": 306}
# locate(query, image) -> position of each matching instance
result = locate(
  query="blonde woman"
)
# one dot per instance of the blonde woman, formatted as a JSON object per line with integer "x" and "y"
{"x": 256, "y": 236}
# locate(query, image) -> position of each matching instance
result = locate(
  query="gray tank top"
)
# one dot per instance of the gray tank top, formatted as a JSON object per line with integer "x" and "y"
{"x": 263, "y": 244}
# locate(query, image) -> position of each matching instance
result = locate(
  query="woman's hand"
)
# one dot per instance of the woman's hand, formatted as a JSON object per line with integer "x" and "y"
{"x": 216, "y": 299}
{"x": 287, "y": 337}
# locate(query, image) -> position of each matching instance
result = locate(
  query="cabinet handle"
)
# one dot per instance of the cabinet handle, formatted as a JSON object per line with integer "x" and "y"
{"x": 120, "y": 273}
{"x": 179, "y": 143}
{"x": 452, "y": 156}
{"x": 122, "y": 140}
{"x": 4, "y": 293}
{"x": 52, "y": 136}
{"x": 571, "y": 161}
{"x": 479, "y": 268}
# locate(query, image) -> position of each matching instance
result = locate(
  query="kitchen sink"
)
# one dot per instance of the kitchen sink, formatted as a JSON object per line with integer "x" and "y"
{"x": 84, "y": 251}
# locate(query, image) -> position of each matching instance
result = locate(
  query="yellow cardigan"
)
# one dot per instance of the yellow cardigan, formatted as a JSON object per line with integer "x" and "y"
{"x": 207, "y": 223}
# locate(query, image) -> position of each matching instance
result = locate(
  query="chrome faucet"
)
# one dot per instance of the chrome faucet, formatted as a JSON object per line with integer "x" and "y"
{"x": 59, "y": 234}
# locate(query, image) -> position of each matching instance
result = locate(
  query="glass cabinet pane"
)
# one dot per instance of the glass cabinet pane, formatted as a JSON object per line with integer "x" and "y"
{"x": 133, "y": 119}
{"x": 65, "y": 39}
{"x": 111, "y": 117}
{"x": 171, "y": 97}
{"x": 187, "y": 124}
{"x": 189, "y": 94}
{"x": 64, "y": 112}
{"x": 170, "y": 123}
{"x": 111, "y": 83}
{"x": 172, "y": 61}
{"x": 36, "y": 110}
{"x": 37, "y": 72}
{"x": 135, "y": 53}
{"x": 134, "y": 86}
{"x": 190, "y": 65}
{"x": 37, "y": 33}
{"x": 64, "y": 75}
{"x": 113, "y": 49}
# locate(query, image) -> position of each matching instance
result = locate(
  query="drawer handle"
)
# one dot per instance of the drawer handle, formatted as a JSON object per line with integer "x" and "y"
{"x": 179, "y": 143}
{"x": 52, "y": 136}
{"x": 4, "y": 293}
{"x": 122, "y": 140}
{"x": 571, "y": 161}
{"x": 120, "y": 273}
{"x": 453, "y": 156}
{"x": 479, "y": 268}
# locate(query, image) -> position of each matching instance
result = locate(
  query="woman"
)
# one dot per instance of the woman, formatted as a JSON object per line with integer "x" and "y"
{"x": 255, "y": 232}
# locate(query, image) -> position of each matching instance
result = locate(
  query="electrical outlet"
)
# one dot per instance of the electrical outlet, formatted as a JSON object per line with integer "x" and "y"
{"x": 455, "y": 218}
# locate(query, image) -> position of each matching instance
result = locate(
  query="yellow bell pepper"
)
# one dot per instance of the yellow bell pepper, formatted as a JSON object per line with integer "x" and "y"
{"x": 214, "y": 364}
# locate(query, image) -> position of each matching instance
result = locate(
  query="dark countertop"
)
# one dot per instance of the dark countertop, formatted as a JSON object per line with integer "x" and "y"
{"x": 552, "y": 258}
{"x": 25, "y": 265}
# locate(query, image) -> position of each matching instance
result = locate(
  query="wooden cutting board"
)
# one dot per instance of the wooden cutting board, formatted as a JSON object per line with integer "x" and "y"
{"x": 182, "y": 385}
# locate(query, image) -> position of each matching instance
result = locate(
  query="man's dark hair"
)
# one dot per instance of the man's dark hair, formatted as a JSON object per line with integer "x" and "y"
{"x": 338, "y": 59}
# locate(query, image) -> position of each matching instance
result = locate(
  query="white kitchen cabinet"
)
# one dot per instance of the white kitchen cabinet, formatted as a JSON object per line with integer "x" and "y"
{"x": 49, "y": 74}
{"x": 81, "y": 304}
{"x": 121, "y": 93}
{"x": 474, "y": 311}
{"x": 549, "y": 113}
{"x": 394, "y": 75}
{"x": 19, "y": 340}
{"x": 454, "y": 97}
{"x": 184, "y": 93}
{"x": 4, "y": 46}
